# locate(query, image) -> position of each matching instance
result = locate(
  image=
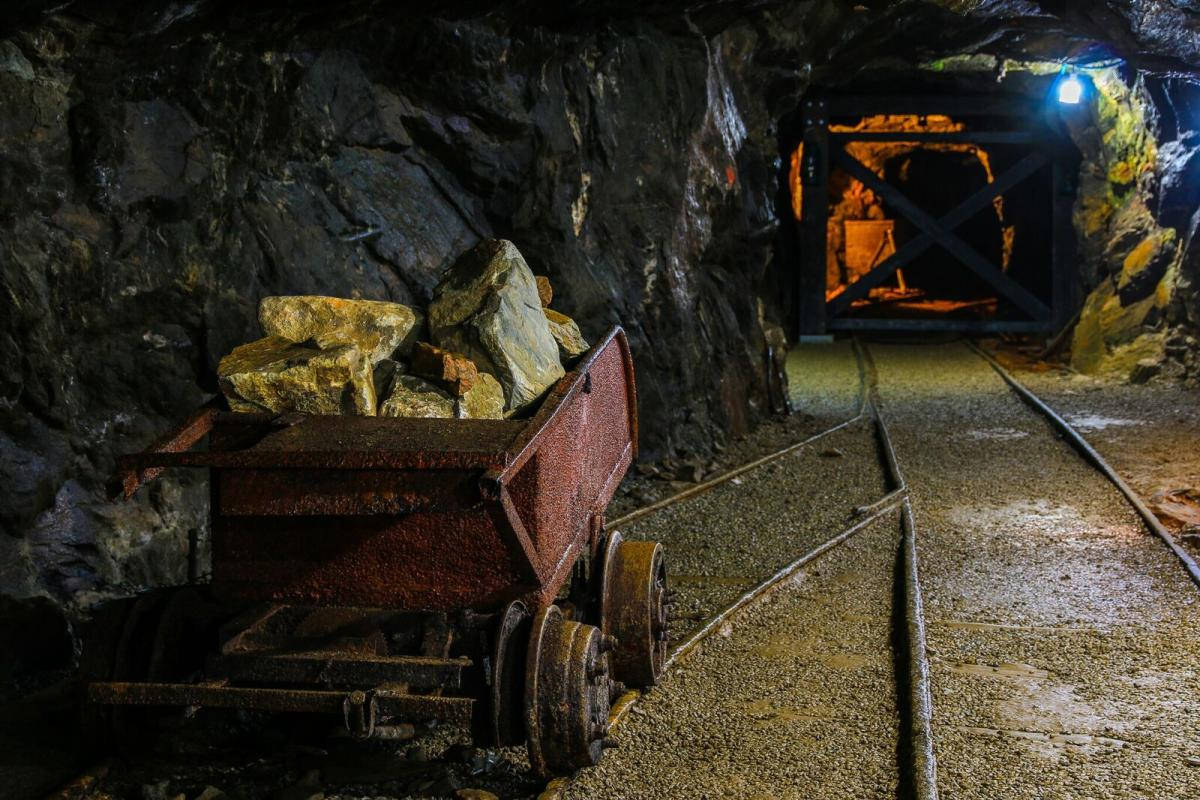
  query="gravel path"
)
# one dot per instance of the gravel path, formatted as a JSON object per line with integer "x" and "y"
{"x": 823, "y": 381}
{"x": 1064, "y": 639}
{"x": 796, "y": 699}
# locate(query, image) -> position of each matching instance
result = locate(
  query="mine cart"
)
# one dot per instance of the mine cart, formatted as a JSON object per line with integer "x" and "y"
{"x": 393, "y": 571}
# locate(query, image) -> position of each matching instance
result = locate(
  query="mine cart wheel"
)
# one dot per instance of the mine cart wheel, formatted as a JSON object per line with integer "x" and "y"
{"x": 566, "y": 694}
{"x": 506, "y": 709}
{"x": 161, "y": 635}
{"x": 633, "y": 609}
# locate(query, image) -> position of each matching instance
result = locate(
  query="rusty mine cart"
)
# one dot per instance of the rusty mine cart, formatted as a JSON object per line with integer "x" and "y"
{"x": 393, "y": 571}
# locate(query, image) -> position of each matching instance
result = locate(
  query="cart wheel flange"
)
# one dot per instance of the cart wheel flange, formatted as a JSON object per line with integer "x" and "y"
{"x": 567, "y": 689}
{"x": 633, "y": 609}
{"x": 506, "y": 721}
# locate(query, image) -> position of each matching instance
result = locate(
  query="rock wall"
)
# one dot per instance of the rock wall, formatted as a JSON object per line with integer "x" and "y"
{"x": 1136, "y": 193}
{"x": 157, "y": 183}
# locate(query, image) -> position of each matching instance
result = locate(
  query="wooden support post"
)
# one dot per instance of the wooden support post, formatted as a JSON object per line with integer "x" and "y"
{"x": 814, "y": 176}
{"x": 1062, "y": 247}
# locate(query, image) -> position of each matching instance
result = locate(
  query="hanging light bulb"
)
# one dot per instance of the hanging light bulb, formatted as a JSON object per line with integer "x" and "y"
{"x": 1070, "y": 90}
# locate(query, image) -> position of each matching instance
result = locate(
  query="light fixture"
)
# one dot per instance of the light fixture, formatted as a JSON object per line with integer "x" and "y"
{"x": 1070, "y": 90}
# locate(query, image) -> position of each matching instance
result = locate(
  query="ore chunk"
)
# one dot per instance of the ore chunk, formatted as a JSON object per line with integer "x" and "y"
{"x": 545, "y": 290}
{"x": 377, "y": 328}
{"x": 452, "y": 371}
{"x": 566, "y": 333}
{"x": 485, "y": 400}
{"x": 416, "y": 397}
{"x": 487, "y": 307}
{"x": 273, "y": 374}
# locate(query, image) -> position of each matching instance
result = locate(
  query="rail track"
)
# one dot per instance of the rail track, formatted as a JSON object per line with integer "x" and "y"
{"x": 918, "y": 776}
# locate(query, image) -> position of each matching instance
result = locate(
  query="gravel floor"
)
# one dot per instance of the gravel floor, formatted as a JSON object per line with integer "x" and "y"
{"x": 1064, "y": 639}
{"x": 1150, "y": 434}
{"x": 794, "y": 699}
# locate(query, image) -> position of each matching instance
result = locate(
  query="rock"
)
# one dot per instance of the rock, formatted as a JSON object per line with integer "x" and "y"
{"x": 566, "y": 333}
{"x": 452, "y": 371}
{"x": 475, "y": 794}
{"x": 416, "y": 397}
{"x": 487, "y": 307}
{"x": 1144, "y": 370}
{"x": 545, "y": 290}
{"x": 274, "y": 374}
{"x": 379, "y": 329}
{"x": 212, "y": 793}
{"x": 485, "y": 400}
{"x": 383, "y": 375}
{"x": 1145, "y": 265}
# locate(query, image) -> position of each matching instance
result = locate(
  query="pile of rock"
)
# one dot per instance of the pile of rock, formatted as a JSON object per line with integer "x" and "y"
{"x": 494, "y": 348}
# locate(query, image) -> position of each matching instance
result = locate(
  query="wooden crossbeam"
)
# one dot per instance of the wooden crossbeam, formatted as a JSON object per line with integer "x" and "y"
{"x": 971, "y": 137}
{"x": 940, "y": 232}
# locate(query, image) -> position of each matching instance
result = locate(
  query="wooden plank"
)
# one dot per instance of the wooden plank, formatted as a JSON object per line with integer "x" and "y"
{"x": 959, "y": 325}
{"x": 1062, "y": 248}
{"x": 968, "y": 208}
{"x": 814, "y": 173}
{"x": 924, "y": 105}
{"x": 966, "y": 254}
{"x": 971, "y": 137}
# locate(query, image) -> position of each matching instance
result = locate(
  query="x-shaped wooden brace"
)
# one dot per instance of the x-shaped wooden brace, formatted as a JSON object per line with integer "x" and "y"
{"x": 940, "y": 232}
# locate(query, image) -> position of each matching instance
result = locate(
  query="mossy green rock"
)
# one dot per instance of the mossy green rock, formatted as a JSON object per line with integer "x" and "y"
{"x": 487, "y": 307}
{"x": 377, "y": 328}
{"x": 274, "y": 374}
{"x": 566, "y": 334}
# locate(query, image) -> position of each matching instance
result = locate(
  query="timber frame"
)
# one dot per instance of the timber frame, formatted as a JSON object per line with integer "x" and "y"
{"x": 1030, "y": 126}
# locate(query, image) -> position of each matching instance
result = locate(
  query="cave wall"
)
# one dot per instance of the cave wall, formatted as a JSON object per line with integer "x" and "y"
{"x": 165, "y": 165}
{"x": 155, "y": 187}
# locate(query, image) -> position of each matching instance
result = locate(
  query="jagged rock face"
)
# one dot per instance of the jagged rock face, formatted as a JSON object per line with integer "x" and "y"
{"x": 158, "y": 186}
{"x": 488, "y": 307}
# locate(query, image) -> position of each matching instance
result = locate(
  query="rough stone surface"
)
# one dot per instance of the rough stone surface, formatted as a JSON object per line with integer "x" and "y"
{"x": 566, "y": 334}
{"x": 416, "y": 397}
{"x": 274, "y": 374}
{"x": 487, "y": 306}
{"x": 545, "y": 290}
{"x": 484, "y": 400}
{"x": 453, "y": 371}
{"x": 378, "y": 329}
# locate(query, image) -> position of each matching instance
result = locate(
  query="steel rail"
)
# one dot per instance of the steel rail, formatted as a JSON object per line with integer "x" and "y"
{"x": 711, "y": 483}
{"x": 920, "y": 701}
{"x": 1093, "y": 457}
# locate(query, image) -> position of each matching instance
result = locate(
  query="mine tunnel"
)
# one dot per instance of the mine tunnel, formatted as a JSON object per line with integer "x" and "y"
{"x": 599, "y": 400}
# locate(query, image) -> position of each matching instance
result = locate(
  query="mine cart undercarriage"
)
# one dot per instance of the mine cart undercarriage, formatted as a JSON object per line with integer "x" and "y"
{"x": 397, "y": 571}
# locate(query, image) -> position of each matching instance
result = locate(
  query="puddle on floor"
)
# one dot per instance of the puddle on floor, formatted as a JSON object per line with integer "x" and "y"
{"x": 1096, "y": 422}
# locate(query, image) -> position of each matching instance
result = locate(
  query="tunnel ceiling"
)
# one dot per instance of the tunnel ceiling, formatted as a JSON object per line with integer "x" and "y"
{"x": 1154, "y": 35}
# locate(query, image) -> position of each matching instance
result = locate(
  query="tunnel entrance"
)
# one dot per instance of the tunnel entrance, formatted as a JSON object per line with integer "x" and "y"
{"x": 931, "y": 213}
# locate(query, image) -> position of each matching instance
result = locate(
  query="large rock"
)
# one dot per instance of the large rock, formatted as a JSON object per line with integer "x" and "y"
{"x": 566, "y": 334}
{"x": 274, "y": 374}
{"x": 487, "y": 307}
{"x": 377, "y": 328}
